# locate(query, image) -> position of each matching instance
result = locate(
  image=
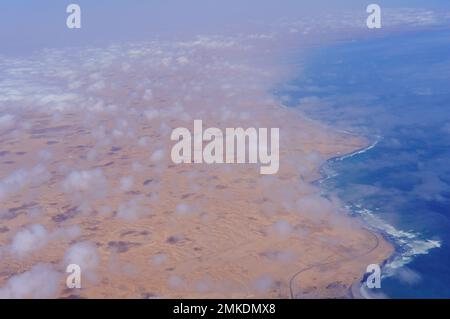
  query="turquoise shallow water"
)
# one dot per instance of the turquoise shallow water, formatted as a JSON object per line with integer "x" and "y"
{"x": 396, "y": 91}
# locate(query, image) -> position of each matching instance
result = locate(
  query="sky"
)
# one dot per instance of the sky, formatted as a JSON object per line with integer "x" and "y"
{"x": 30, "y": 24}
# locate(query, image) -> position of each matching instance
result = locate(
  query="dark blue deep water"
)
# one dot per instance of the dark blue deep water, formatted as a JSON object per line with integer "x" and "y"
{"x": 394, "y": 90}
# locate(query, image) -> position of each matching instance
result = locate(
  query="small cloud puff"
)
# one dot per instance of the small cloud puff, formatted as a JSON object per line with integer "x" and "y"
{"x": 175, "y": 282}
{"x": 182, "y": 60}
{"x": 126, "y": 183}
{"x": 159, "y": 259}
{"x": 29, "y": 239}
{"x": 36, "y": 237}
{"x": 85, "y": 185}
{"x": 183, "y": 209}
{"x": 282, "y": 228}
{"x": 132, "y": 209}
{"x": 263, "y": 284}
{"x": 148, "y": 95}
{"x": 42, "y": 281}
{"x": 83, "y": 254}
{"x": 151, "y": 114}
{"x": 157, "y": 155}
{"x": 21, "y": 178}
{"x": 408, "y": 276}
{"x": 6, "y": 122}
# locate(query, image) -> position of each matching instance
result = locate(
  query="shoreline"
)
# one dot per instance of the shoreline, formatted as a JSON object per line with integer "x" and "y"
{"x": 408, "y": 244}
{"x": 355, "y": 288}
{"x": 387, "y": 231}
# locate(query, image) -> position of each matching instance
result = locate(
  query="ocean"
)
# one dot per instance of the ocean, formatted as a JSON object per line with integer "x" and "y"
{"x": 395, "y": 91}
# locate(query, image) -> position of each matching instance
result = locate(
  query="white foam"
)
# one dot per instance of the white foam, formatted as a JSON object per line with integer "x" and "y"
{"x": 410, "y": 244}
{"x": 361, "y": 151}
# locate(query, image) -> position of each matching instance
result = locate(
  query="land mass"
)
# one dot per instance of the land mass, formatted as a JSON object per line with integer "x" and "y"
{"x": 93, "y": 170}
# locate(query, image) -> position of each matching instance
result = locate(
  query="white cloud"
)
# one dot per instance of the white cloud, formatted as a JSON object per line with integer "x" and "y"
{"x": 148, "y": 95}
{"x": 45, "y": 155}
{"x": 151, "y": 114}
{"x": 97, "y": 86}
{"x": 314, "y": 206}
{"x": 159, "y": 259}
{"x": 408, "y": 276}
{"x": 282, "y": 228}
{"x": 183, "y": 209}
{"x": 263, "y": 283}
{"x": 175, "y": 282}
{"x": 13, "y": 183}
{"x": 182, "y": 60}
{"x": 6, "y": 121}
{"x": 126, "y": 183}
{"x": 137, "y": 167}
{"x": 143, "y": 141}
{"x": 29, "y": 239}
{"x": 157, "y": 155}
{"x": 42, "y": 281}
{"x": 21, "y": 178}
{"x": 67, "y": 233}
{"x": 83, "y": 254}
{"x": 35, "y": 237}
{"x": 58, "y": 101}
{"x": 132, "y": 209}
{"x": 85, "y": 186}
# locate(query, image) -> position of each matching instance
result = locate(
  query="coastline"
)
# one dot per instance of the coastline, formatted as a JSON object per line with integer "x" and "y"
{"x": 406, "y": 244}
{"x": 410, "y": 237}
{"x": 355, "y": 289}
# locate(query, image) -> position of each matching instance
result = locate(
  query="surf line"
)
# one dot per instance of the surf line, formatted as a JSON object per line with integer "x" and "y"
{"x": 361, "y": 151}
{"x": 229, "y": 148}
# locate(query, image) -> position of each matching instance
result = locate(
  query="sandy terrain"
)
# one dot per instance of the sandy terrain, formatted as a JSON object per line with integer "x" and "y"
{"x": 101, "y": 175}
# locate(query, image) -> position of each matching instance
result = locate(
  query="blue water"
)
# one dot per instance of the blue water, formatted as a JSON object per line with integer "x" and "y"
{"x": 395, "y": 91}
